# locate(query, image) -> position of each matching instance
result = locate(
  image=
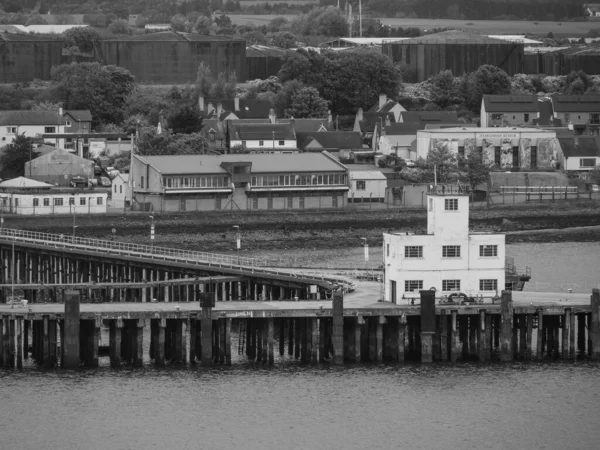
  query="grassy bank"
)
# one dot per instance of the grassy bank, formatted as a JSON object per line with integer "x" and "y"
{"x": 213, "y": 231}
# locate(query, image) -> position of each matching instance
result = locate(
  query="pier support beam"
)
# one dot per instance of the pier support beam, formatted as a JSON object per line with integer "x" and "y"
{"x": 427, "y": 325}
{"x": 506, "y": 325}
{"x": 481, "y": 341}
{"x": 594, "y": 331}
{"x": 539, "y": 348}
{"x": 338, "y": 327}
{"x": 360, "y": 321}
{"x": 206, "y": 336}
{"x": 115, "y": 337}
{"x": 70, "y": 344}
{"x": 271, "y": 340}
{"x": 453, "y": 336}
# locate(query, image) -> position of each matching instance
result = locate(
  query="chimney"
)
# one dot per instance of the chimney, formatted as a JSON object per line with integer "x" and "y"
{"x": 293, "y": 124}
{"x": 201, "y": 103}
{"x": 272, "y": 117}
{"x": 60, "y": 111}
{"x": 382, "y": 100}
{"x": 329, "y": 118}
{"x": 219, "y": 109}
{"x": 236, "y": 103}
{"x": 360, "y": 114}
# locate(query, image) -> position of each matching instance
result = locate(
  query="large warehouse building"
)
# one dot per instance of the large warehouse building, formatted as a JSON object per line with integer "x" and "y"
{"x": 459, "y": 51}
{"x": 173, "y": 58}
{"x": 25, "y": 57}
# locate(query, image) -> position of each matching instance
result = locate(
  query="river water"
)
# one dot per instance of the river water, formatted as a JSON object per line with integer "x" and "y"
{"x": 303, "y": 406}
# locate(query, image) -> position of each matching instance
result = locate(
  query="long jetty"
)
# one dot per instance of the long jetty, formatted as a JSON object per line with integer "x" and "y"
{"x": 68, "y": 335}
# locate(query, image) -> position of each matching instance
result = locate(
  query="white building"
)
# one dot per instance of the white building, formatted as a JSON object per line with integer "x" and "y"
{"x": 120, "y": 190}
{"x": 263, "y": 137}
{"x": 367, "y": 186}
{"x": 447, "y": 257}
{"x": 31, "y": 124}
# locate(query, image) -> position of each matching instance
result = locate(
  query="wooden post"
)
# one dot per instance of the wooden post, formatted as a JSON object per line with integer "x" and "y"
{"x": 360, "y": 321}
{"x": 529, "y": 344}
{"x": 453, "y": 337}
{"x": 506, "y": 325}
{"x": 594, "y": 331}
{"x": 322, "y": 338}
{"x": 539, "y": 348}
{"x": 291, "y": 323}
{"x": 70, "y": 344}
{"x": 581, "y": 334}
{"x": 26, "y": 339}
{"x": 427, "y": 325}
{"x": 206, "y": 330}
{"x": 281, "y": 323}
{"x": 379, "y": 334}
{"x": 314, "y": 328}
{"x": 228, "y": 341}
{"x": 523, "y": 337}
{"x": 443, "y": 336}
{"x": 138, "y": 353}
{"x": 11, "y": 340}
{"x": 270, "y": 340}
{"x": 400, "y": 337}
{"x": 338, "y": 327}
{"x": 159, "y": 349}
{"x": 481, "y": 342}
{"x": 372, "y": 330}
{"x": 566, "y": 329}
{"x": 115, "y": 337}
{"x": 193, "y": 331}
{"x": 19, "y": 343}
{"x": 488, "y": 337}
{"x": 572, "y": 340}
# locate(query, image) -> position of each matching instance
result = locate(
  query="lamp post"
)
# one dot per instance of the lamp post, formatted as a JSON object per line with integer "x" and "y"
{"x": 366, "y": 248}
{"x": 152, "y": 232}
{"x": 114, "y": 233}
{"x": 238, "y": 242}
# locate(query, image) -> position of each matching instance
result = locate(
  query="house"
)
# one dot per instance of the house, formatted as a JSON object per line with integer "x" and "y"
{"x": 446, "y": 257}
{"x": 592, "y": 11}
{"x": 426, "y": 117}
{"x": 78, "y": 121}
{"x": 386, "y": 105}
{"x": 232, "y": 109}
{"x": 24, "y": 196}
{"x": 262, "y": 138}
{"x": 366, "y": 123}
{"x": 157, "y": 27}
{"x": 367, "y": 186}
{"x": 580, "y": 153}
{"x": 238, "y": 182}
{"x": 502, "y": 148}
{"x": 58, "y": 167}
{"x": 215, "y": 131}
{"x": 31, "y": 124}
{"x": 332, "y": 141}
{"x": 581, "y": 112}
{"x": 398, "y": 139}
{"x": 509, "y": 110}
{"x": 309, "y": 125}
{"x": 120, "y": 191}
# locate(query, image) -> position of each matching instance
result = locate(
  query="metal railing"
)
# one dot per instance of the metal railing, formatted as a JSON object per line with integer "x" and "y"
{"x": 538, "y": 189}
{"x": 162, "y": 253}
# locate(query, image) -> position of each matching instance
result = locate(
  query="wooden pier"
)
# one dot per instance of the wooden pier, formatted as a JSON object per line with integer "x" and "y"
{"x": 69, "y": 335}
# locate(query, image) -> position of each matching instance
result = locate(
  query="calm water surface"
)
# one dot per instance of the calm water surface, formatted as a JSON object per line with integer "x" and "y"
{"x": 292, "y": 406}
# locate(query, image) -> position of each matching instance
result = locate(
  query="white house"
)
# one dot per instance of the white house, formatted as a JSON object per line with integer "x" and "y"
{"x": 367, "y": 186}
{"x": 120, "y": 190}
{"x": 263, "y": 137}
{"x": 446, "y": 257}
{"x": 32, "y": 123}
{"x": 580, "y": 153}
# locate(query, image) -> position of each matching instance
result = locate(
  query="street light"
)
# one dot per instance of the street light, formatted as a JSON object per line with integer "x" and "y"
{"x": 238, "y": 241}
{"x": 366, "y": 247}
{"x": 152, "y": 232}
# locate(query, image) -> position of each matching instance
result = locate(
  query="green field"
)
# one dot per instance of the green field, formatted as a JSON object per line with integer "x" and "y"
{"x": 537, "y": 28}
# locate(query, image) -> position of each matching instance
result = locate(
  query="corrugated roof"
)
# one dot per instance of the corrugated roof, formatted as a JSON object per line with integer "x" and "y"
{"x": 47, "y": 29}
{"x": 574, "y": 146}
{"x": 25, "y": 117}
{"x": 262, "y": 51}
{"x": 23, "y": 183}
{"x": 455, "y": 36}
{"x": 331, "y": 139}
{"x": 515, "y": 38}
{"x": 261, "y": 163}
{"x": 262, "y": 131}
{"x": 576, "y": 103}
{"x": 510, "y": 103}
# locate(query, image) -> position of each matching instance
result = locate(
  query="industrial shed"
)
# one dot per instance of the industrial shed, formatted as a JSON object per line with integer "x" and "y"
{"x": 58, "y": 167}
{"x": 25, "y": 58}
{"x": 562, "y": 60}
{"x": 263, "y": 62}
{"x": 459, "y": 51}
{"x": 172, "y": 58}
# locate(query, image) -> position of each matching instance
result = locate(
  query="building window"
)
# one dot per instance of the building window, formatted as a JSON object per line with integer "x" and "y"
{"x": 587, "y": 162}
{"x": 71, "y": 200}
{"x": 413, "y": 285}
{"x": 497, "y": 155}
{"x": 244, "y": 144}
{"x": 488, "y": 285}
{"x": 461, "y": 151}
{"x": 451, "y": 204}
{"x": 526, "y": 117}
{"x": 11, "y": 130}
{"x": 497, "y": 117}
{"x": 49, "y": 129}
{"x": 451, "y": 251}
{"x": 413, "y": 251}
{"x": 115, "y": 188}
{"x": 58, "y": 201}
{"x": 567, "y": 117}
{"x": 533, "y": 156}
{"x": 387, "y": 250}
{"x": 99, "y": 201}
{"x": 361, "y": 185}
{"x": 81, "y": 201}
{"x": 290, "y": 202}
{"x": 450, "y": 285}
{"x": 281, "y": 142}
{"x": 46, "y": 202}
{"x": 121, "y": 189}
{"x": 595, "y": 119}
{"x": 261, "y": 143}
{"x": 68, "y": 123}
{"x": 36, "y": 202}
{"x": 142, "y": 183}
{"x": 488, "y": 251}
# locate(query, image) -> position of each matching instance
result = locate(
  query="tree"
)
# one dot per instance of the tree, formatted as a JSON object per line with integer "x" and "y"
{"x": 101, "y": 89}
{"x": 595, "y": 175}
{"x": 307, "y": 104}
{"x": 204, "y": 80}
{"x": 203, "y": 25}
{"x": 120, "y": 26}
{"x": 487, "y": 79}
{"x": 472, "y": 171}
{"x": 152, "y": 143}
{"x": 45, "y": 106}
{"x": 13, "y": 157}
{"x": 441, "y": 162}
{"x": 36, "y": 19}
{"x": 444, "y": 89}
{"x": 81, "y": 37}
{"x": 281, "y": 39}
{"x": 224, "y": 87}
{"x": 179, "y": 23}
{"x": 326, "y": 21}
{"x": 185, "y": 120}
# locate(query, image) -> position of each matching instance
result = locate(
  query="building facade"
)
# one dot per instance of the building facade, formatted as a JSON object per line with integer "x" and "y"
{"x": 579, "y": 112}
{"x": 238, "y": 182}
{"x": 447, "y": 257}
{"x": 58, "y": 167}
{"x": 509, "y": 110}
{"x": 50, "y": 202}
{"x": 121, "y": 192}
{"x": 367, "y": 186}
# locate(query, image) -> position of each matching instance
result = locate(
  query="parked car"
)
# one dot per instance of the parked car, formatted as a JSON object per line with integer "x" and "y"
{"x": 79, "y": 182}
{"x": 595, "y": 188}
{"x": 409, "y": 163}
{"x": 104, "y": 182}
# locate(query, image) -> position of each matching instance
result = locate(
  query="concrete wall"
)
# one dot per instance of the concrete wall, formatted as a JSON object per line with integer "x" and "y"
{"x": 374, "y": 190}
{"x": 27, "y": 60}
{"x": 173, "y": 62}
{"x": 422, "y": 61}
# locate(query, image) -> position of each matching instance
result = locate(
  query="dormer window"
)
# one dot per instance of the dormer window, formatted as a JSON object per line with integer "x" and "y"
{"x": 68, "y": 123}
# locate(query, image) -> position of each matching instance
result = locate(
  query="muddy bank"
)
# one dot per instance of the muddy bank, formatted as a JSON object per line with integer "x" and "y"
{"x": 285, "y": 230}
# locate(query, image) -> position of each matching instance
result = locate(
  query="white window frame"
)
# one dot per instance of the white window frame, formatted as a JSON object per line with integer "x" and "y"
{"x": 450, "y": 204}
{"x": 451, "y": 251}
{"x": 451, "y": 285}
{"x": 488, "y": 284}
{"x": 413, "y": 285}
{"x": 413, "y": 251}
{"x": 11, "y": 130}
{"x": 488, "y": 251}
{"x": 581, "y": 165}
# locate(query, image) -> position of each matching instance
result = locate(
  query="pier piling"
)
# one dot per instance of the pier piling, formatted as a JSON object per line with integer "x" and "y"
{"x": 338, "y": 327}
{"x": 506, "y": 326}
{"x": 595, "y": 325}
{"x": 70, "y": 344}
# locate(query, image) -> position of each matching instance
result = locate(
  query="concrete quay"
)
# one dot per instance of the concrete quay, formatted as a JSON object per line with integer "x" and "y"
{"x": 522, "y": 326}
